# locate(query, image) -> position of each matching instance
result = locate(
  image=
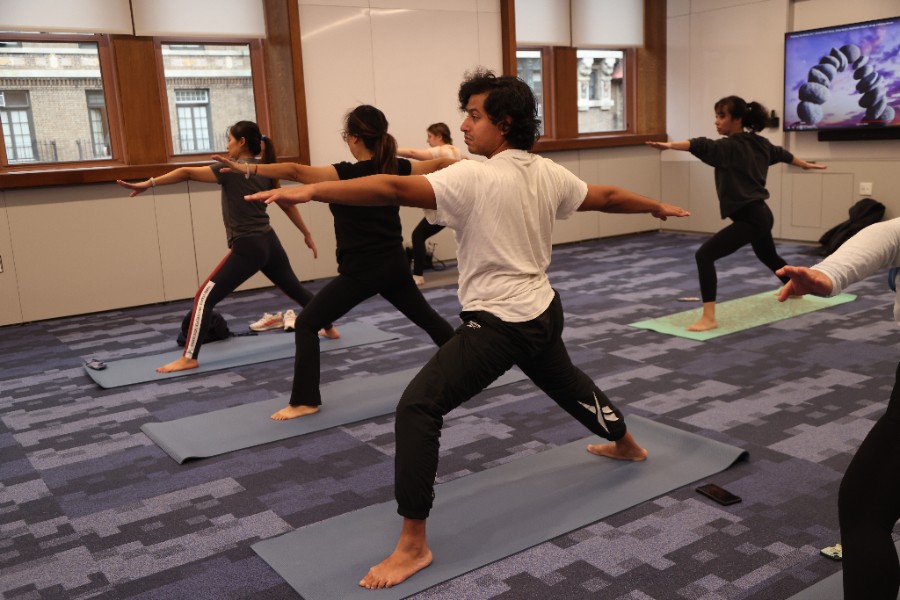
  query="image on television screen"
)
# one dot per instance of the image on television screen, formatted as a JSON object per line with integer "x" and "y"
{"x": 843, "y": 77}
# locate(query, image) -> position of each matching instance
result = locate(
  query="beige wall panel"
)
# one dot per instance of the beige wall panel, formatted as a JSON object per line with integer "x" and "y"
{"x": 337, "y": 70}
{"x": 744, "y": 60}
{"x": 83, "y": 249}
{"x": 175, "y": 225}
{"x": 675, "y": 181}
{"x": 678, "y": 78}
{"x": 490, "y": 49}
{"x": 635, "y": 168}
{"x": 806, "y": 203}
{"x": 581, "y": 225}
{"x": 703, "y": 202}
{"x": 10, "y": 307}
{"x": 415, "y": 85}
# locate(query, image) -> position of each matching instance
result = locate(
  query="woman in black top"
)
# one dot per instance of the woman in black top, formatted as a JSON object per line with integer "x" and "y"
{"x": 370, "y": 254}
{"x": 741, "y": 161}
{"x": 253, "y": 244}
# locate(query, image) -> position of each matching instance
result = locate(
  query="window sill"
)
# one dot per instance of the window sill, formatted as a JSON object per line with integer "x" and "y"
{"x": 30, "y": 177}
{"x": 597, "y": 141}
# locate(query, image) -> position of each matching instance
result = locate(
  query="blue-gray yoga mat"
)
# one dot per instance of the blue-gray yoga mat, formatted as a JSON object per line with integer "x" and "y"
{"x": 481, "y": 518}
{"x": 830, "y": 588}
{"x": 248, "y": 425}
{"x": 232, "y": 352}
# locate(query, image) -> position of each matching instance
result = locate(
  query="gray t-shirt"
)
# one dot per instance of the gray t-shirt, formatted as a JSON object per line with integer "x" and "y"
{"x": 242, "y": 218}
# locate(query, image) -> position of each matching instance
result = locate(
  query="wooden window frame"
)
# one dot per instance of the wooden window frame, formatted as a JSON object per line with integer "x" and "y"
{"x": 257, "y": 75}
{"x": 645, "y": 81}
{"x": 110, "y": 97}
{"x": 133, "y": 82}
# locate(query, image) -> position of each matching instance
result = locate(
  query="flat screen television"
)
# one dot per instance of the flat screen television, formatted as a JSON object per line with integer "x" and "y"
{"x": 844, "y": 79}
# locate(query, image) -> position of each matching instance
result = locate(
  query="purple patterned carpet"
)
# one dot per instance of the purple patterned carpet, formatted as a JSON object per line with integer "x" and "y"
{"x": 91, "y": 508}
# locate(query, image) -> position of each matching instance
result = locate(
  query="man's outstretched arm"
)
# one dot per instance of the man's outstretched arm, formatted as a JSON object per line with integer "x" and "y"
{"x": 612, "y": 199}
{"x": 375, "y": 190}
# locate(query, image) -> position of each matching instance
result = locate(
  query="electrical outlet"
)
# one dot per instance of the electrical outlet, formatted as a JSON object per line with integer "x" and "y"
{"x": 865, "y": 188}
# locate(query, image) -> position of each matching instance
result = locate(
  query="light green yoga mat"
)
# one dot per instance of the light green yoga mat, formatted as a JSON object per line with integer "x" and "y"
{"x": 743, "y": 313}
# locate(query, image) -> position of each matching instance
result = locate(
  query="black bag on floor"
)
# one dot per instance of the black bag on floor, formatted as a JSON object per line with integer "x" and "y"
{"x": 862, "y": 214}
{"x": 218, "y": 329}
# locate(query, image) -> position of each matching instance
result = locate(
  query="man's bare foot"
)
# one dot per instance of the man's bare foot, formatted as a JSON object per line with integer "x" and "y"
{"x": 331, "y": 333}
{"x": 182, "y": 364}
{"x": 703, "y": 324}
{"x": 411, "y": 555}
{"x": 625, "y": 448}
{"x": 292, "y": 412}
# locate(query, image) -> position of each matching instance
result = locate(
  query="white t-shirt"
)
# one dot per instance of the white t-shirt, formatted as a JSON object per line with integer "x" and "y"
{"x": 875, "y": 248}
{"x": 502, "y": 212}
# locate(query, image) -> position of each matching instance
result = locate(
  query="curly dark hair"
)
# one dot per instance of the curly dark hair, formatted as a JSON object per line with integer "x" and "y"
{"x": 510, "y": 104}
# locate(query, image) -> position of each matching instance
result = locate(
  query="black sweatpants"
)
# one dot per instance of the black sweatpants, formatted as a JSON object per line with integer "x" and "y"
{"x": 422, "y": 232}
{"x": 869, "y": 507}
{"x": 248, "y": 256}
{"x": 750, "y": 225}
{"x": 386, "y": 274}
{"x": 484, "y": 348}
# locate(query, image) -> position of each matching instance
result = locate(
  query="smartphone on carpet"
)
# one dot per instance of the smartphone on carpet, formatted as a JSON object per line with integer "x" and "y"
{"x": 720, "y": 495}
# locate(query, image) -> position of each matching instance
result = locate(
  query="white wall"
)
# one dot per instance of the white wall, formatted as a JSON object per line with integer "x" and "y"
{"x": 722, "y": 47}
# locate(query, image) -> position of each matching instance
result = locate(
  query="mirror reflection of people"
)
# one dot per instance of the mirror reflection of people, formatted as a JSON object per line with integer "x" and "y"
{"x": 440, "y": 144}
{"x": 869, "y": 496}
{"x": 741, "y": 160}
{"x": 253, "y": 245}
{"x": 502, "y": 212}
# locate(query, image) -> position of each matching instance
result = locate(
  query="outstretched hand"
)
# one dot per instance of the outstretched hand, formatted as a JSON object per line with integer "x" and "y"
{"x": 136, "y": 188}
{"x": 803, "y": 281}
{"x": 668, "y": 210}
{"x": 660, "y": 145}
{"x": 299, "y": 194}
{"x": 233, "y": 166}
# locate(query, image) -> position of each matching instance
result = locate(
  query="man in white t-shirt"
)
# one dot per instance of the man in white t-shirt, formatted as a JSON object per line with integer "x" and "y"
{"x": 502, "y": 212}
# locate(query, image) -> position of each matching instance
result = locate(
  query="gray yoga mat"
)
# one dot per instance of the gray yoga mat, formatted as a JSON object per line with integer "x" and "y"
{"x": 248, "y": 425}
{"x": 481, "y": 518}
{"x": 830, "y": 588}
{"x": 231, "y": 352}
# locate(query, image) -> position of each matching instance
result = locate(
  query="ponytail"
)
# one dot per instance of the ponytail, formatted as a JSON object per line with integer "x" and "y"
{"x": 753, "y": 115}
{"x": 370, "y": 125}
{"x": 257, "y": 143}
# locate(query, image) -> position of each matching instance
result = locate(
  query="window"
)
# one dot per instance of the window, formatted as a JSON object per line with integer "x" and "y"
{"x": 601, "y": 91}
{"x": 209, "y": 87}
{"x": 99, "y": 124}
{"x": 192, "y": 114}
{"x": 591, "y": 98}
{"x": 530, "y": 69}
{"x": 18, "y": 139}
{"x": 44, "y": 83}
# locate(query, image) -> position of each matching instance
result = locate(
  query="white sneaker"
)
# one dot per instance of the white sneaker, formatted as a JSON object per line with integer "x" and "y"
{"x": 420, "y": 281}
{"x": 290, "y": 320}
{"x": 267, "y": 322}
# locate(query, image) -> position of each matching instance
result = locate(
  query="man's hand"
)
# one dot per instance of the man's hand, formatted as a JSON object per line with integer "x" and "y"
{"x": 668, "y": 210}
{"x": 803, "y": 281}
